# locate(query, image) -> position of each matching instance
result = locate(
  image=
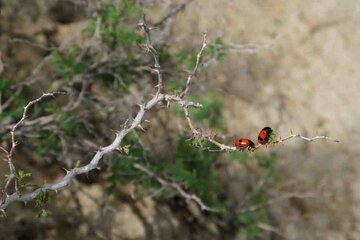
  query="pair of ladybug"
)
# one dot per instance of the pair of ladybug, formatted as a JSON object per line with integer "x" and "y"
{"x": 263, "y": 138}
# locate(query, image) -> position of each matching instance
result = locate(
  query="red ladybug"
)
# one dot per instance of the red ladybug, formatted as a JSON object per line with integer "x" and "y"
{"x": 244, "y": 143}
{"x": 264, "y": 135}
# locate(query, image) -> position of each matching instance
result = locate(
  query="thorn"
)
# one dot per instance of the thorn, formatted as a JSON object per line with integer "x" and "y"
{"x": 153, "y": 28}
{"x": 141, "y": 128}
{"x": 67, "y": 171}
{"x": 3, "y": 212}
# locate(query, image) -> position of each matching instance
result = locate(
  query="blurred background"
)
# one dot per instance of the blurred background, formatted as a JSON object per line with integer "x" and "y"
{"x": 291, "y": 65}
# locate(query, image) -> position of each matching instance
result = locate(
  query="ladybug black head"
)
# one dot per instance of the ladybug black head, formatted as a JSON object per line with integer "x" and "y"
{"x": 251, "y": 144}
{"x": 267, "y": 129}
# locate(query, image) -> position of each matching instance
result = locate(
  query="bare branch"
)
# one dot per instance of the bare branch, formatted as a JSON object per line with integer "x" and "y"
{"x": 166, "y": 184}
{"x": 252, "y": 48}
{"x": 188, "y": 119}
{"x": 309, "y": 139}
{"x": 193, "y": 73}
{"x": 268, "y": 228}
{"x": 33, "y": 44}
{"x": 38, "y": 121}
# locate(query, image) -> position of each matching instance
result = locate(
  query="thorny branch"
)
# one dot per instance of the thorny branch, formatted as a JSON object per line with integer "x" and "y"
{"x": 149, "y": 48}
{"x": 194, "y": 72}
{"x": 14, "y": 143}
{"x": 198, "y": 133}
{"x": 94, "y": 162}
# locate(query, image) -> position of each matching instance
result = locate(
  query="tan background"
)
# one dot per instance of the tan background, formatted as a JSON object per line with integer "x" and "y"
{"x": 304, "y": 77}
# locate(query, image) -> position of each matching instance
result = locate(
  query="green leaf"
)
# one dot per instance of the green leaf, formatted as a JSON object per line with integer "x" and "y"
{"x": 22, "y": 174}
{"x": 211, "y": 111}
{"x": 77, "y": 164}
{"x": 42, "y": 213}
{"x": 250, "y": 230}
{"x": 28, "y": 186}
{"x": 9, "y": 176}
{"x": 42, "y": 198}
{"x": 4, "y": 85}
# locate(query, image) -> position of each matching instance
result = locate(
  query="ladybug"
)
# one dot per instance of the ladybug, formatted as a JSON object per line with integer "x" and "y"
{"x": 243, "y": 143}
{"x": 264, "y": 135}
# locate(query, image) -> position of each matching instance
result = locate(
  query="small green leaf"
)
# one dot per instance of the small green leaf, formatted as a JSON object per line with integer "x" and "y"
{"x": 42, "y": 198}
{"x": 9, "y": 176}
{"x": 28, "y": 186}
{"x": 125, "y": 149}
{"x": 42, "y": 213}
{"x": 22, "y": 174}
{"x": 77, "y": 164}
